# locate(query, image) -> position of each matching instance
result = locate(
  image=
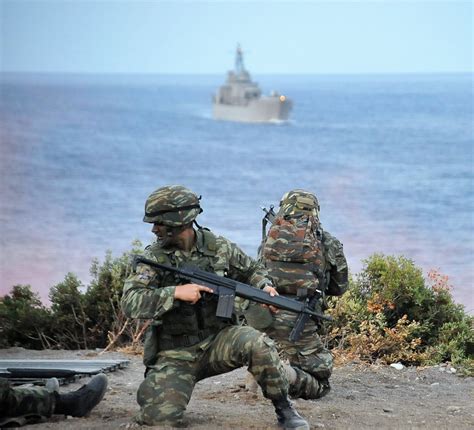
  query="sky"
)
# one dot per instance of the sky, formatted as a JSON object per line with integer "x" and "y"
{"x": 194, "y": 37}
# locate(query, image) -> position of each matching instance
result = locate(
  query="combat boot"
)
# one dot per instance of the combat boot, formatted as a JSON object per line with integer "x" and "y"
{"x": 288, "y": 418}
{"x": 79, "y": 403}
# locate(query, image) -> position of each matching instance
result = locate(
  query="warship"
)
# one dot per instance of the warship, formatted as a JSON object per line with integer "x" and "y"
{"x": 240, "y": 99}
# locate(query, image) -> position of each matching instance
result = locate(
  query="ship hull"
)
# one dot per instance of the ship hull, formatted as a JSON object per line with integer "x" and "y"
{"x": 264, "y": 109}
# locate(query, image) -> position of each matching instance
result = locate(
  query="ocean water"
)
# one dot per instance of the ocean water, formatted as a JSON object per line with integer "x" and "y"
{"x": 390, "y": 158}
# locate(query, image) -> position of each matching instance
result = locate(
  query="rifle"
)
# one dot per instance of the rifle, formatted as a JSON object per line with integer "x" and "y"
{"x": 268, "y": 218}
{"x": 302, "y": 319}
{"x": 226, "y": 289}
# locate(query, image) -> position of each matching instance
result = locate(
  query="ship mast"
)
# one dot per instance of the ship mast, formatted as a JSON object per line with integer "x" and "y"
{"x": 239, "y": 60}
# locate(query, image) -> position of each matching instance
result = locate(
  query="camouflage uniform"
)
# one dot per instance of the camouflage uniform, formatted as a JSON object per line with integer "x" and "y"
{"x": 175, "y": 359}
{"x": 312, "y": 362}
{"x": 21, "y": 405}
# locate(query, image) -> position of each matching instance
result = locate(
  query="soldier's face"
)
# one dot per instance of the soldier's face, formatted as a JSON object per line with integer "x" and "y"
{"x": 164, "y": 235}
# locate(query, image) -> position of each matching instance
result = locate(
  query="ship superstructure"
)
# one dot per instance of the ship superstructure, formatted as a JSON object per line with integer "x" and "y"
{"x": 240, "y": 99}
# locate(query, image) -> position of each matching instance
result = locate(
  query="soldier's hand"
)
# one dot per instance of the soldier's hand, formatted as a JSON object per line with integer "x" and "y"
{"x": 270, "y": 290}
{"x": 273, "y": 292}
{"x": 190, "y": 292}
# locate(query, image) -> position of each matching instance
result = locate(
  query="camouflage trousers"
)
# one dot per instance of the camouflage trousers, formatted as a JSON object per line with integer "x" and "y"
{"x": 312, "y": 362}
{"x": 21, "y": 405}
{"x": 164, "y": 394}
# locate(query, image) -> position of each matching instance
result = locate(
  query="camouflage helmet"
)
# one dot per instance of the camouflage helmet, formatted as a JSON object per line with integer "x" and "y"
{"x": 173, "y": 205}
{"x": 297, "y": 201}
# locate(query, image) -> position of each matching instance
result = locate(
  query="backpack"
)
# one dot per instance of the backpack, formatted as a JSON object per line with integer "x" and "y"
{"x": 292, "y": 250}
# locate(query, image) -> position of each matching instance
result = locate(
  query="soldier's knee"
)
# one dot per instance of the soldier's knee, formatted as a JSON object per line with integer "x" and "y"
{"x": 264, "y": 346}
{"x": 159, "y": 418}
{"x": 155, "y": 411}
{"x": 256, "y": 342}
{"x": 323, "y": 365}
{"x": 160, "y": 404}
{"x": 319, "y": 365}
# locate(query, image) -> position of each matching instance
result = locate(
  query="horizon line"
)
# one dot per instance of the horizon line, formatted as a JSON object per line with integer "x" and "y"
{"x": 60, "y": 72}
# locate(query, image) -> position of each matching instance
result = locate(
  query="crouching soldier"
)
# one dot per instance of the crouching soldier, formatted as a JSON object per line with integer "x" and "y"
{"x": 306, "y": 263}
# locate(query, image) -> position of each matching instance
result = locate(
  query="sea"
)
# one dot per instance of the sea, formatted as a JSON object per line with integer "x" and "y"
{"x": 390, "y": 158}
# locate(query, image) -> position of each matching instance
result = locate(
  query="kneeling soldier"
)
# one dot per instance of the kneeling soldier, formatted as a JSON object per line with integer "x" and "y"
{"x": 187, "y": 342}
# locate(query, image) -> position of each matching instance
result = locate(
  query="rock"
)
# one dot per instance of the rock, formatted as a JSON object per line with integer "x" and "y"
{"x": 435, "y": 384}
{"x": 132, "y": 426}
{"x": 453, "y": 409}
{"x": 453, "y": 370}
{"x": 398, "y": 366}
{"x": 442, "y": 369}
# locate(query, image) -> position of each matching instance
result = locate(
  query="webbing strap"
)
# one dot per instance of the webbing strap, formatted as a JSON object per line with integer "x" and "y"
{"x": 291, "y": 265}
{"x": 184, "y": 340}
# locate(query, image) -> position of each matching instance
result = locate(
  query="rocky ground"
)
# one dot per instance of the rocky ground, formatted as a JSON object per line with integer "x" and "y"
{"x": 363, "y": 397}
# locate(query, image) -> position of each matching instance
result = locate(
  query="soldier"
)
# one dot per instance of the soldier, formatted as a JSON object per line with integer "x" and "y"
{"x": 303, "y": 260}
{"x": 26, "y": 405}
{"x": 187, "y": 342}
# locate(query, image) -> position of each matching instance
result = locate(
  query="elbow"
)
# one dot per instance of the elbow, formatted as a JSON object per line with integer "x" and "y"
{"x": 127, "y": 309}
{"x": 130, "y": 305}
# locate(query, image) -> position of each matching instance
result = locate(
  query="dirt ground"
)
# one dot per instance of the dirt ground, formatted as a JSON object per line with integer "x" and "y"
{"x": 362, "y": 397}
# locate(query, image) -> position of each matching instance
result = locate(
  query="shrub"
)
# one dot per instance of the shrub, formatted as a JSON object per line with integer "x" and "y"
{"x": 79, "y": 317}
{"x": 391, "y": 313}
{"x": 102, "y": 301}
{"x": 68, "y": 309}
{"x": 24, "y": 320}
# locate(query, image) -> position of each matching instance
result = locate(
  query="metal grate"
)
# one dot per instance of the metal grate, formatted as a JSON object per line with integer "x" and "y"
{"x": 66, "y": 371}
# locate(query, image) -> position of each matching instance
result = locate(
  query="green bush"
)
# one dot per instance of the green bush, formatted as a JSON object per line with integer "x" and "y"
{"x": 391, "y": 313}
{"x": 24, "y": 320}
{"x": 455, "y": 343}
{"x": 102, "y": 298}
{"x": 68, "y": 309}
{"x": 79, "y": 317}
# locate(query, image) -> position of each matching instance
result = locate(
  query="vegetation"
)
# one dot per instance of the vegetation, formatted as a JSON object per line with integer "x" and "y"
{"x": 79, "y": 317}
{"x": 390, "y": 313}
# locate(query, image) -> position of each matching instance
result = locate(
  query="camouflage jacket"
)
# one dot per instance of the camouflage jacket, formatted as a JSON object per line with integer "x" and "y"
{"x": 149, "y": 293}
